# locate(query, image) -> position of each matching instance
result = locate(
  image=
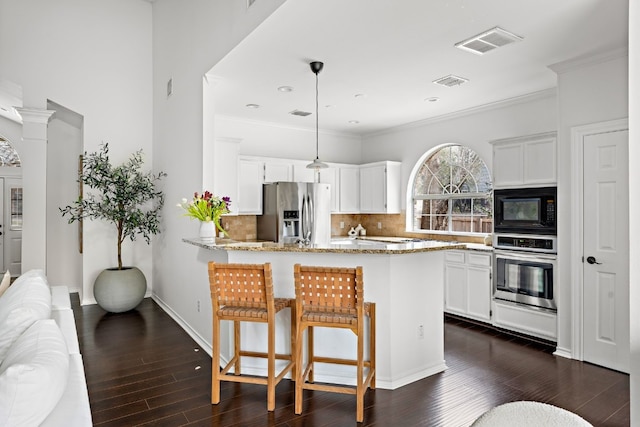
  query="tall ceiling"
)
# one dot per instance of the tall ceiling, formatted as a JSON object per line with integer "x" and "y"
{"x": 390, "y": 52}
{"x": 381, "y": 58}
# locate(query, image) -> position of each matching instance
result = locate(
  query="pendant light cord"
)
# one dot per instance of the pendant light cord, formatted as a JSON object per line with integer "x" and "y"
{"x": 317, "y": 155}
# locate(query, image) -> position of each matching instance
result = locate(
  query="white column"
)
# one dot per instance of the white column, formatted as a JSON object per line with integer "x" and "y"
{"x": 34, "y": 185}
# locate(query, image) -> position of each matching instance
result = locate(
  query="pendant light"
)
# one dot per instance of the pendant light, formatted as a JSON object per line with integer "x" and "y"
{"x": 316, "y": 67}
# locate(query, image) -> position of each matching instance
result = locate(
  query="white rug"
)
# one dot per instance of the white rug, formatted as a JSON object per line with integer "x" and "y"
{"x": 529, "y": 414}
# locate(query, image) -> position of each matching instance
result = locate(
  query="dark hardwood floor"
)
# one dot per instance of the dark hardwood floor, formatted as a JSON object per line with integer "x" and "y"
{"x": 143, "y": 369}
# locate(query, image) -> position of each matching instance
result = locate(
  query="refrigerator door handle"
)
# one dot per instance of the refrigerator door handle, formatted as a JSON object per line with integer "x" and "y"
{"x": 305, "y": 224}
{"x": 311, "y": 217}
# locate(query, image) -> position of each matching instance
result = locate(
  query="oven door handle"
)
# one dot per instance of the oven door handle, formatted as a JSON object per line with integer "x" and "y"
{"x": 520, "y": 255}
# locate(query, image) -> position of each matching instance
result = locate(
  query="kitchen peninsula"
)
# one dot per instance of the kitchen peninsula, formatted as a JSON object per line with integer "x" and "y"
{"x": 404, "y": 279}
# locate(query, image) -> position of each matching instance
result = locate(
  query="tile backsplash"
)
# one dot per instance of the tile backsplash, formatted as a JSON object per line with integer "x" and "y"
{"x": 243, "y": 227}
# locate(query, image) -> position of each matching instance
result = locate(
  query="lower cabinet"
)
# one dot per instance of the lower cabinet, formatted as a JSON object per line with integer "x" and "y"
{"x": 530, "y": 321}
{"x": 467, "y": 276}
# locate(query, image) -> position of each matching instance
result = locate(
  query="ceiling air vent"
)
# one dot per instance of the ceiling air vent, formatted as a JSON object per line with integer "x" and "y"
{"x": 450, "y": 81}
{"x": 488, "y": 41}
{"x": 299, "y": 113}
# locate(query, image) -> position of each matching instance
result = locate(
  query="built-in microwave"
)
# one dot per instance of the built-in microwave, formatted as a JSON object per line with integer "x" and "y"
{"x": 525, "y": 210}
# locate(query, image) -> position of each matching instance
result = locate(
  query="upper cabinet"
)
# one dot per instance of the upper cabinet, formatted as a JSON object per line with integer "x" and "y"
{"x": 380, "y": 187}
{"x": 301, "y": 173}
{"x": 369, "y": 188}
{"x": 348, "y": 189}
{"x": 528, "y": 161}
{"x": 329, "y": 176}
{"x": 250, "y": 180}
{"x": 225, "y": 171}
{"x": 276, "y": 170}
{"x": 255, "y": 171}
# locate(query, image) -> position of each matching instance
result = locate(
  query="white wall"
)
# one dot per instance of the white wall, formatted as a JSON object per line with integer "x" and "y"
{"x": 475, "y": 128}
{"x": 12, "y": 131}
{"x": 93, "y": 57}
{"x": 64, "y": 146}
{"x": 187, "y": 42}
{"x": 590, "y": 90}
{"x": 634, "y": 205}
{"x": 272, "y": 140}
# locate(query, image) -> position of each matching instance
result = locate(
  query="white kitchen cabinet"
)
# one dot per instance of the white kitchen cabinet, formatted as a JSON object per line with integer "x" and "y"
{"x": 276, "y": 170}
{"x": 536, "y": 322}
{"x": 301, "y": 173}
{"x": 348, "y": 189}
{"x": 252, "y": 173}
{"x": 528, "y": 161}
{"x": 330, "y": 176}
{"x": 250, "y": 179}
{"x": 226, "y": 170}
{"x": 380, "y": 187}
{"x": 369, "y": 188}
{"x": 467, "y": 277}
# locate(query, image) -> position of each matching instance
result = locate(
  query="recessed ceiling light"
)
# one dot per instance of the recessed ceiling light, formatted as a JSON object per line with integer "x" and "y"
{"x": 432, "y": 99}
{"x": 285, "y": 89}
{"x": 300, "y": 113}
{"x": 354, "y": 122}
{"x": 254, "y": 106}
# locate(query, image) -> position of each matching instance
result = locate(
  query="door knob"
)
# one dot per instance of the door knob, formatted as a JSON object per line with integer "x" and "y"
{"x": 592, "y": 260}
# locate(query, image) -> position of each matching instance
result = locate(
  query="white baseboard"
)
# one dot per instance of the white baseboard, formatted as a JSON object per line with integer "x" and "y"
{"x": 184, "y": 325}
{"x": 563, "y": 352}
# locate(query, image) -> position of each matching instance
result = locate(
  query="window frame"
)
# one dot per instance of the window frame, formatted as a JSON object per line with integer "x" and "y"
{"x": 411, "y": 213}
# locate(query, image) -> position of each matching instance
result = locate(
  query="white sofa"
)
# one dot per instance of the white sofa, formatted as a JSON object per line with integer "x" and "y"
{"x": 42, "y": 381}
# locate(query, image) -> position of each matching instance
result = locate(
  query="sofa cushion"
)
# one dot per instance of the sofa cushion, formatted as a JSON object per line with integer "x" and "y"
{"x": 33, "y": 375}
{"x": 26, "y": 301}
{"x": 6, "y": 281}
{"x": 73, "y": 409}
{"x": 60, "y": 299}
{"x": 67, "y": 324}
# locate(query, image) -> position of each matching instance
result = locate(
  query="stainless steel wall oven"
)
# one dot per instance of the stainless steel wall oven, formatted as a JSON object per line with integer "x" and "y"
{"x": 525, "y": 270}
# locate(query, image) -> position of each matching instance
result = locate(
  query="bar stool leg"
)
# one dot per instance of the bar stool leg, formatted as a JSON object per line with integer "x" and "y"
{"x": 310, "y": 355}
{"x": 372, "y": 344}
{"x": 359, "y": 373}
{"x": 236, "y": 347}
{"x": 271, "y": 366}
{"x": 294, "y": 333}
{"x": 215, "y": 363}
{"x": 299, "y": 370}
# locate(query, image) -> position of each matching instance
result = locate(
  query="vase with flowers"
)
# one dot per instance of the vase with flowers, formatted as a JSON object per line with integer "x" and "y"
{"x": 208, "y": 209}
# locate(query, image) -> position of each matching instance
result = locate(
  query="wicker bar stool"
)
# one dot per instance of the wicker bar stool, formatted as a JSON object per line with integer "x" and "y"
{"x": 334, "y": 298}
{"x": 244, "y": 293}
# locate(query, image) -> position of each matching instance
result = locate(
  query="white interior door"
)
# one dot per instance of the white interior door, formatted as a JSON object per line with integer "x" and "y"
{"x": 606, "y": 249}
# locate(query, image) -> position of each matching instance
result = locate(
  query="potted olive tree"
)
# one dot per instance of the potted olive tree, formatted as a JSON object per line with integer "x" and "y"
{"x": 127, "y": 198}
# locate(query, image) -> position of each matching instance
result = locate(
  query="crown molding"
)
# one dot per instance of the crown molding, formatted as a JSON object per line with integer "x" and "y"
{"x": 543, "y": 94}
{"x": 289, "y": 127}
{"x": 589, "y": 59}
{"x": 35, "y": 115}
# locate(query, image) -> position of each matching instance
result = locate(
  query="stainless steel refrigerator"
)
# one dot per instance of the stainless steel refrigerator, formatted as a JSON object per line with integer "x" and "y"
{"x": 294, "y": 212}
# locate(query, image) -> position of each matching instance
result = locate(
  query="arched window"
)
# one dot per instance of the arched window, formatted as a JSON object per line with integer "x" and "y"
{"x": 452, "y": 192}
{"x": 8, "y": 154}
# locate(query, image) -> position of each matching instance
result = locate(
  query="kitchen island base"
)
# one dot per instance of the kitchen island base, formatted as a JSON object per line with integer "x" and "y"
{"x": 408, "y": 291}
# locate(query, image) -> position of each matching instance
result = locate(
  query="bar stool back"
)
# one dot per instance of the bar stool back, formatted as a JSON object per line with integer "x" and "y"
{"x": 333, "y": 297}
{"x": 244, "y": 293}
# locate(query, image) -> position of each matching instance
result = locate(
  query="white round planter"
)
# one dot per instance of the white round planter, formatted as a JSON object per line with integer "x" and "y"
{"x": 119, "y": 290}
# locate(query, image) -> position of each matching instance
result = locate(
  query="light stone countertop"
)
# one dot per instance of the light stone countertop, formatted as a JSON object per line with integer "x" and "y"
{"x": 390, "y": 245}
